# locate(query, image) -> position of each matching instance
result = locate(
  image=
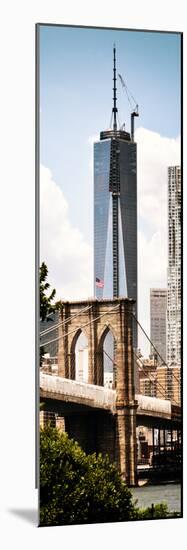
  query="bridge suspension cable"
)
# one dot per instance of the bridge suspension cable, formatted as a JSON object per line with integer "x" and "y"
{"x": 114, "y": 363}
{"x": 154, "y": 380}
{"x": 151, "y": 379}
{"x": 81, "y": 327}
{"x": 164, "y": 362}
{"x": 163, "y": 393}
{"x": 46, "y": 331}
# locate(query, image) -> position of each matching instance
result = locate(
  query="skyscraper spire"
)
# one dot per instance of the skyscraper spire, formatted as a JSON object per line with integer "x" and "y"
{"x": 114, "y": 110}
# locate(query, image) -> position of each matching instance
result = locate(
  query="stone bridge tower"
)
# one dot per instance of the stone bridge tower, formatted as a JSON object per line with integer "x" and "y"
{"x": 95, "y": 318}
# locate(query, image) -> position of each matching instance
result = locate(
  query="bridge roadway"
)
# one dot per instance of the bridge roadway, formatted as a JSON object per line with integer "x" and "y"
{"x": 63, "y": 395}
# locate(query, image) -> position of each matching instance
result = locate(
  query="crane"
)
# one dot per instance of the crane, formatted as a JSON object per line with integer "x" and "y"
{"x": 134, "y": 112}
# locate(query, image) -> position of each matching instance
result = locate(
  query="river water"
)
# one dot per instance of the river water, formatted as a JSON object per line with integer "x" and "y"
{"x": 154, "y": 494}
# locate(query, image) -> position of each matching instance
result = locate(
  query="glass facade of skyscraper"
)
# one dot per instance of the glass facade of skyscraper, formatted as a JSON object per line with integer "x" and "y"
{"x": 123, "y": 198}
{"x": 115, "y": 220}
{"x": 103, "y": 267}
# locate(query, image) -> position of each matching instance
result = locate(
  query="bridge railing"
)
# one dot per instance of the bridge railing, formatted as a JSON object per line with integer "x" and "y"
{"x": 95, "y": 396}
{"x": 154, "y": 405}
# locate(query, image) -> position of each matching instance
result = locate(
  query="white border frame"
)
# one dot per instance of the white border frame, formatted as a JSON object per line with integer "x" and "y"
{"x": 17, "y": 270}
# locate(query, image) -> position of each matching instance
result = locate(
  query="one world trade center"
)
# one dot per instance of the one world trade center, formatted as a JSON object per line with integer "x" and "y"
{"x": 115, "y": 211}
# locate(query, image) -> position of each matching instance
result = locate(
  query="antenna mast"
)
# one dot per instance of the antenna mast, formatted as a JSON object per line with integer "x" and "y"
{"x": 114, "y": 110}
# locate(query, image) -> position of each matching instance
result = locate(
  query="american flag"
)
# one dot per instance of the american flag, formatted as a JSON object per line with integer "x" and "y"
{"x": 99, "y": 283}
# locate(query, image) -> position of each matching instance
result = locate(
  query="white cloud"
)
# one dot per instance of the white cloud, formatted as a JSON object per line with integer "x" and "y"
{"x": 63, "y": 247}
{"x": 68, "y": 255}
{"x": 155, "y": 154}
{"x": 152, "y": 271}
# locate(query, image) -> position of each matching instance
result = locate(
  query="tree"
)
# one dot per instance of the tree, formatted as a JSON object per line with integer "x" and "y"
{"x": 76, "y": 488}
{"x": 46, "y": 305}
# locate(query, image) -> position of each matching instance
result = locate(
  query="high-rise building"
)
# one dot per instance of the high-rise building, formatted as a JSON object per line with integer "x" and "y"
{"x": 158, "y": 309}
{"x": 147, "y": 376}
{"x": 160, "y": 381}
{"x": 174, "y": 384}
{"x": 115, "y": 211}
{"x": 174, "y": 267}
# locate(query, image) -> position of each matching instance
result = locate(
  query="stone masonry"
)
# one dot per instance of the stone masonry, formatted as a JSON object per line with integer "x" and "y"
{"x": 115, "y": 435}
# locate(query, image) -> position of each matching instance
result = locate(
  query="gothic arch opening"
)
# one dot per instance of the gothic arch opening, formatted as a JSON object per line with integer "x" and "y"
{"x": 106, "y": 359}
{"x": 79, "y": 357}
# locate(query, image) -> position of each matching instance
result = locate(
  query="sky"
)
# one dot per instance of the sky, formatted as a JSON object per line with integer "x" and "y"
{"x": 76, "y": 71}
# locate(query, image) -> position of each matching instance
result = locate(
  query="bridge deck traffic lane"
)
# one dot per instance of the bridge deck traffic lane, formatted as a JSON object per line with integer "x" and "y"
{"x": 77, "y": 392}
{"x": 88, "y": 396}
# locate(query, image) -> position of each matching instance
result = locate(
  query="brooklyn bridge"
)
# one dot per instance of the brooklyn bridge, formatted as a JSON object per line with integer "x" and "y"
{"x": 106, "y": 419}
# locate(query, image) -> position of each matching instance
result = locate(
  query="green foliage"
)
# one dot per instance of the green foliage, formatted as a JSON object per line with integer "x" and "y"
{"x": 46, "y": 307}
{"x": 155, "y": 511}
{"x": 78, "y": 488}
